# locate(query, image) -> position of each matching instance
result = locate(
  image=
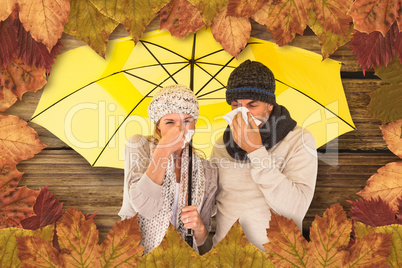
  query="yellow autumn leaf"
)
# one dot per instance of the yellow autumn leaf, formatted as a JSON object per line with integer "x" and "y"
{"x": 135, "y": 15}
{"x": 395, "y": 258}
{"x": 173, "y": 251}
{"x": 89, "y": 25}
{"x": 8, "y": 243}
{"x": 209, "y": 8}
{"x": 234, "y": 250}
{"x": 386, "y": 183}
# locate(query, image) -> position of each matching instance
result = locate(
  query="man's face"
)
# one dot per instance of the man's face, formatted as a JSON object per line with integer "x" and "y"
{"x": 260, "y": 110}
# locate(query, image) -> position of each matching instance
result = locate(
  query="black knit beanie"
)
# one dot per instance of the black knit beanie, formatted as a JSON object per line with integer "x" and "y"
{"x": 251, "y": 80}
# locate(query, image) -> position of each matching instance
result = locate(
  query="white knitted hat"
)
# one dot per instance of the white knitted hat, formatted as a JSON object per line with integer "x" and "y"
{"x": 173, "y": 99}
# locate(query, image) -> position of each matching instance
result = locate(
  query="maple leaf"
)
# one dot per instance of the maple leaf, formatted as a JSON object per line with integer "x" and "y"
{"x": 375, "y": 15}
{"x": 392, "y": 134}
{"x": 386, "y": 101}
{"x": 17, "y": 139}
{"x": 47, "y": 211}
{"x": 231, "y": 32}
{"x": 180, "y": 18}
{"x": 8, "y": 243}
{"x": 399, "y": 218}
{"x": 134, "y": 15}
{"x": 286, "y": 246}
{"x": 121, "y": 246}
{"x": 79, "y": 238}
{"x": 89, "y": 25}
{"x": 373, "y": 49}
{"x": 36, "y": 252}
{"x": 387, "y": 184}
{"x": 373, "y": 212}
{"x": 395, "y": 256}
{"x": 234, "y": 250}
{"x": 284, "y": 19}
{"x": 332, "y": 15}
{"x": 328, "y": 235}
{"x": 209, "y": 8}
{"x": 329, "y": 40}
{"x": 15, "y": 202}
{"x": 245, "y": 8}
{"x": 44, "y": 19}
{"x": 173, "y": 251}
{"x": 8, "y": 41}
{"x": 20, "y": 78}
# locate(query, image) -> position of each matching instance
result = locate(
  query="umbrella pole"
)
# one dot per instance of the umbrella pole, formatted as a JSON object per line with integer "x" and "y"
{"x": 189, "y": 235}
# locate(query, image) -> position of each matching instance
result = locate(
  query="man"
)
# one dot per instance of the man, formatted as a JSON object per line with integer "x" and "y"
{"x": 262, "y": 168}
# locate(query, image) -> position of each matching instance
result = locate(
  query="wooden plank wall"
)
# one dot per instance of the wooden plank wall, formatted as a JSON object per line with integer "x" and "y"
{"x": 344, "y": 167}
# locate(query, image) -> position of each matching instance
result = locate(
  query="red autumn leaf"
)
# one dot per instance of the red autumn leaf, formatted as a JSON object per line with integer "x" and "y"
{"x": 399, "y": 219}
{"x": 373, "y": 212}
{"x": 231, "y": 32}
{"x": 372, "y": 250}
{"x": 20, "y": 78}
{"x": 245, "y": 8}
{"x": 392, "y": 134}
{"x": 398, "y": 45}
{"x": 47, "y": 210}
{"x": 44, "y": 19}
{"x": 377, "y": 15}
{"x": 374, "y": 50}
{"x": 333, "y": 16}
{"x": 286, "y": 246}
{"x": 17, "y": 139}
{"x": 284, "y": 19}
{"x": 8, "y": 41}
{"x": 180, "y": 18}
{"x": 15, "y": 202}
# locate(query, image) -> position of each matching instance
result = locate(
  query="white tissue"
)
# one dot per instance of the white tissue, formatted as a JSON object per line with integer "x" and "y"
{"x": 229, "y": 116}
{"x": 188, "y": 136}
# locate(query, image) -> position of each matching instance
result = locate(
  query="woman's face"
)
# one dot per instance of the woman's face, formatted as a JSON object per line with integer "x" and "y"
{"x": 183, "y": 121}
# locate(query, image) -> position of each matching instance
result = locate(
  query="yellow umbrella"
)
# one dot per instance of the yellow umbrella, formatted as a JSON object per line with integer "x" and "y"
{"x": 95, "y": 105}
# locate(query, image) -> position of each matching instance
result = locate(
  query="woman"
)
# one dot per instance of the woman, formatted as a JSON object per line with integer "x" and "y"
{"x": 156, "y": 172}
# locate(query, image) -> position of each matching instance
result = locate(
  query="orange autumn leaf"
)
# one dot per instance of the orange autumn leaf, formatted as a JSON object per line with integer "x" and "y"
{"x": 231, "y": 32}
{"x": 17, "y": 139}
{"x": 243, "y": 8}
{"x": 20, "y": 78}
{"x": 234, "y": 250}
{"x": 180, "y": 18}
{"x": 377, "y": 15}
{"x": 284, "y": 19}
{"x": 287, "y": 246}
{"x": 8, "y": 99}
{"x": 328, "y": 235}
{"x": 121, "y": 245}
{"x": 16, "y": 203}
{"x": 36, "y": 252}
{"x": 393, "y": 137}
{"x": 386, "y": 183}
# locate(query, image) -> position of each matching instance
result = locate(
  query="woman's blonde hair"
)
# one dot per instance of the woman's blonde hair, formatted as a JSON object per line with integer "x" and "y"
{"x": 157, "y": 135}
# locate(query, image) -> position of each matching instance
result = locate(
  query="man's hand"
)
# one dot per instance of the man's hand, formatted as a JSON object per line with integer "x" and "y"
{"x": 248, "y": 138}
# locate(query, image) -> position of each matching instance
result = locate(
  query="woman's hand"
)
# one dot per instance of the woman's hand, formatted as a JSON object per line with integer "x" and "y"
{"x": 173, "y": 140}
{"x": 192, "y": 220}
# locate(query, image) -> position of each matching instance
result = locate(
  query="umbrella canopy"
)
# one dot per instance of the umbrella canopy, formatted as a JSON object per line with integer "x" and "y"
{"x": 94, "y": 105}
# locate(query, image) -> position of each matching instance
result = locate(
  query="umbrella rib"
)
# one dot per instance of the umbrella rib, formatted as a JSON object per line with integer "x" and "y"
{"x": 213, "y": 76}
{"x": 317, "y": 103}
{"x": 153, "y": 65}
{"x": 220, "y": 50}
{"x": 150, "y": 43}
{"x": 117, "y": 129}
{"x": 163, "y": 67}
{"x": 211, "y": 92}
{"x": 143, "y": 79}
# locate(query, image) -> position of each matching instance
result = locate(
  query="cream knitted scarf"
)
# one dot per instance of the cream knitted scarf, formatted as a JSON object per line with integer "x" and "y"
{"x": 154, "y": 229}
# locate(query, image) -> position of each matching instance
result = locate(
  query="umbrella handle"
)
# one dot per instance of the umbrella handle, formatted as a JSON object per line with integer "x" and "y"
{"x": 189, "y": 235}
